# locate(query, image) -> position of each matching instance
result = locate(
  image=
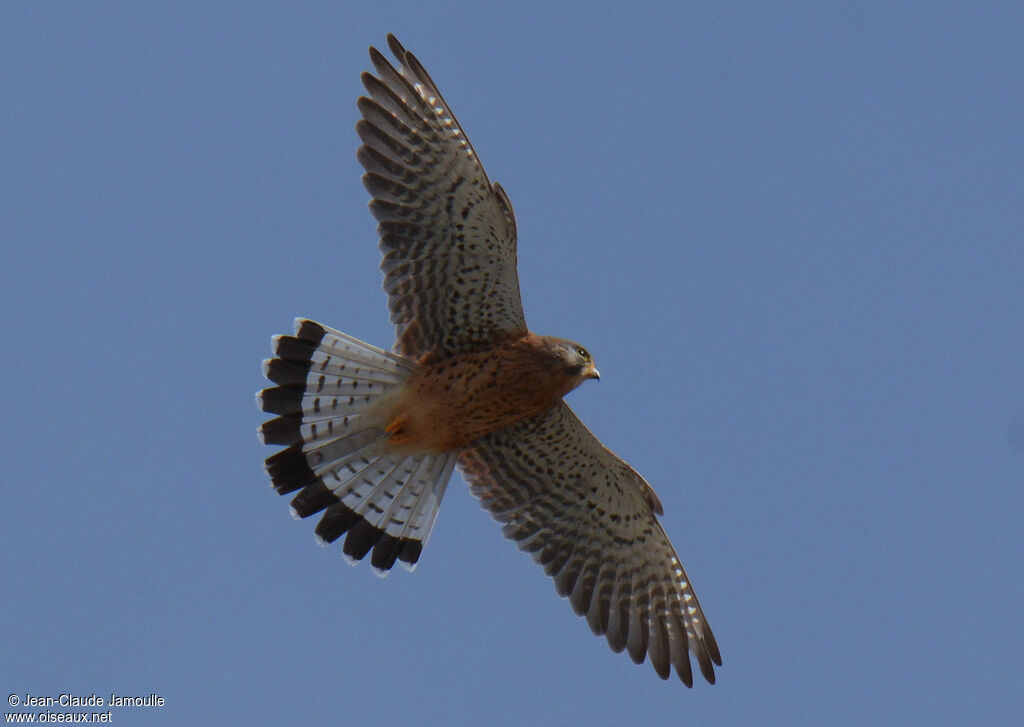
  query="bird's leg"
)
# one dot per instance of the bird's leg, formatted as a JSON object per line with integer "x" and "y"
{"x": 428, "y": 358}
{"x": 397, "y": 429}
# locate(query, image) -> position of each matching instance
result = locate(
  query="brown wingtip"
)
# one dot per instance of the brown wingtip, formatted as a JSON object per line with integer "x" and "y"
{"x": 396, "y": 47}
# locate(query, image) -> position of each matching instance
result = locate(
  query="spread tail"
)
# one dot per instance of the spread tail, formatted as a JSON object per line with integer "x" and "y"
{"x": 328, "y": 389}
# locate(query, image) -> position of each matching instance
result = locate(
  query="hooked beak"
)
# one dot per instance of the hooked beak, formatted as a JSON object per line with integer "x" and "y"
{"x": 591, "y": 373}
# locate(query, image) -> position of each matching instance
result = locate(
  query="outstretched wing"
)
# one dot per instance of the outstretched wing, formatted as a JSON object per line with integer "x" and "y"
{"x": 447, "y": 234}
{"x": 590, "y": 520}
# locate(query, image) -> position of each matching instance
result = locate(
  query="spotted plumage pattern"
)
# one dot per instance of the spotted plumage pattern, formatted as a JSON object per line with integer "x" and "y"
{"x": 447, "y": 234}
{"x": 589, "y": 519}
{"x": 371, "y": 437}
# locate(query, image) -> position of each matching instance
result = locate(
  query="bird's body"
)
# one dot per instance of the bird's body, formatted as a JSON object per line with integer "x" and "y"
{"x": 451, "y": 401}
{"x": 371, "y": 437}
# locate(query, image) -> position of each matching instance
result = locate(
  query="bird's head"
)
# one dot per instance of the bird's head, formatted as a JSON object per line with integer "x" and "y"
{"x": 568, "y": 361}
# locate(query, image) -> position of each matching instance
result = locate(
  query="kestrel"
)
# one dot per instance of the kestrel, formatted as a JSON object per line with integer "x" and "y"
{"x": 372, "y": 437}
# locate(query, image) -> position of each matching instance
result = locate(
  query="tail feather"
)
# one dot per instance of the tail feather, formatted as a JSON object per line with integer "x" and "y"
{"x": 397, "y": 496}
{"x": 337, "y": 458}
{"x": 426, "y": 501}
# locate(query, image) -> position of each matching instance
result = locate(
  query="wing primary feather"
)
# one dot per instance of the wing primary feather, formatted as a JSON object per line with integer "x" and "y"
{"x": 679, "y": 653}
{"x": 657, "y": 646}
{"x": 636, "y": 639}
{"x": 583, "y": 589}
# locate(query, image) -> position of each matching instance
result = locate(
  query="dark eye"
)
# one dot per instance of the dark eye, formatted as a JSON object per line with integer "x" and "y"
{"x": 583, "y": 353}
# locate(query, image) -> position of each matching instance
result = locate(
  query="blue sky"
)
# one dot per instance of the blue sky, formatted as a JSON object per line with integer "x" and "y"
{"x": 790, "y": 234}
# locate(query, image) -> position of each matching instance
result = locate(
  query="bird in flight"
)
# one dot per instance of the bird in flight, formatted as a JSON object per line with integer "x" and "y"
{"x": 371, "y": 437}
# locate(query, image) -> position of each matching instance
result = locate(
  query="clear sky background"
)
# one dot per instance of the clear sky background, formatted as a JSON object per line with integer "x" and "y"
{"x": 791, "y": 234}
